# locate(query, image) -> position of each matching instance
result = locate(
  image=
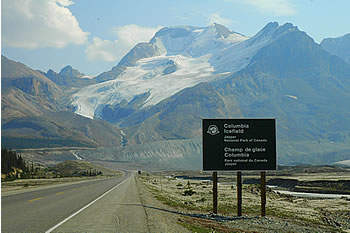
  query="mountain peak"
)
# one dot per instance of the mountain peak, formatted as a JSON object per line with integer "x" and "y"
{"x": 275, "y": 27}
{"x": 287, "y": 27}
{"x": 69, "y": 72}
{"x": 222, "y": 30}
{"x": 174, "y": 32}
{"x": 194, "y": 41}
{"x": 269, "y": 27}
{"x": 215, "y": 30}
{"x": 273, "y": 30}
{"x": 66, "y": 69}
{"x": 50, "y": 72}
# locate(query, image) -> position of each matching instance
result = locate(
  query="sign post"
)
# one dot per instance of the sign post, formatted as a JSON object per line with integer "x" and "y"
{"x": 263, "y": 194}
{"x": 215, "y": 192}
{"x": 240, "y": 145}
{"x": 239, "y": 193}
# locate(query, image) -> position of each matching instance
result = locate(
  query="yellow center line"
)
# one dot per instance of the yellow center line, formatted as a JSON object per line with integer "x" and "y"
{"x": 35, "y": 199}
{"x": 59, "y": 193}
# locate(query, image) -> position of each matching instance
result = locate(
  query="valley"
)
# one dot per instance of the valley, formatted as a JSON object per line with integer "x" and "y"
{"x": 150, "y": 105}
{"x": 120, "y": 116}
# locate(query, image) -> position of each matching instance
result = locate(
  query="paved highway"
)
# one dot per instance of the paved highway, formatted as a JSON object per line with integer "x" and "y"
{"x": 39, "y": 211}
{"x": 120, "y": 210}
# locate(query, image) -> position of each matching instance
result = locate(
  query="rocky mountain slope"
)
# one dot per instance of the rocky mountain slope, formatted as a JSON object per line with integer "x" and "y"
{"x": 69, "y": 77}
{"x": 34, "y": 116}
{"x": 25, "y": 91}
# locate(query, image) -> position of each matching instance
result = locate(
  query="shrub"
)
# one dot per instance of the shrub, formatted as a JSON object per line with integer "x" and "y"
{"x": 188, "y": 192}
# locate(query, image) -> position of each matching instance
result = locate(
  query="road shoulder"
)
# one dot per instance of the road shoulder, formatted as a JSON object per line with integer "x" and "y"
{"x": 161, "y": 218}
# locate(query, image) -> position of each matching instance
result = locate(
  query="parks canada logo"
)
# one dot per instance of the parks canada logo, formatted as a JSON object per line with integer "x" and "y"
{"x": 213, "y": 130}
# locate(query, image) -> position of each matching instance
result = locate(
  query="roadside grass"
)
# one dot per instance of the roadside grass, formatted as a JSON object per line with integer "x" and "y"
{"x": 206, "y": 225}
{"x": 195, "y": 196}
{"x": 194, "y": 228}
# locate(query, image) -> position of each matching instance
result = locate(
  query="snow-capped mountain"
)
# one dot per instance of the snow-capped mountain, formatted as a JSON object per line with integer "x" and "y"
{"x": 160, "y": 90}
{"x": 176, "y": 58}
{"x": 158, "y": 93}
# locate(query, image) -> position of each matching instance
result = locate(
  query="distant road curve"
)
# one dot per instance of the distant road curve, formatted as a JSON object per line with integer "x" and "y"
{"x": 55, "y": 148}
{"x": 40, "y": 210}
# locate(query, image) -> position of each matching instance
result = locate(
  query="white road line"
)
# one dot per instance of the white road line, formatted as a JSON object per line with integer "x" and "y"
{"x": 71, "y": 216}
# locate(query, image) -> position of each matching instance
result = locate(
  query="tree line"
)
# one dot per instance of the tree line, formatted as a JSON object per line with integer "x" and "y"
{"x": 13, "y": 165}
{"x": 91, "y": 172}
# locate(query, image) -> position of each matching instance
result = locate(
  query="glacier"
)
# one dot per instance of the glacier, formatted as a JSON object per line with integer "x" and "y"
{"x": 146, "y": 77}
{"x": 185, "y": 56}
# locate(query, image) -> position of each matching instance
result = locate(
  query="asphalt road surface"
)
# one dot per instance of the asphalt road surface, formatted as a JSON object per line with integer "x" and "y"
{"x": 43, "y": 210}
{"x": 120, "y": 210}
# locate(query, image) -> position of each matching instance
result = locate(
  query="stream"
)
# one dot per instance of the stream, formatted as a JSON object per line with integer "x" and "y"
{"x": 310, "y": 195}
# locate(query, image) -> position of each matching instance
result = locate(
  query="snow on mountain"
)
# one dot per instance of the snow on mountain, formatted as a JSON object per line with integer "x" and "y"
{"x": 237, "y": 56}
{"x": 146, "y": 77}
{"x": 195, "y": 41}
{"x": 181, "y": 57}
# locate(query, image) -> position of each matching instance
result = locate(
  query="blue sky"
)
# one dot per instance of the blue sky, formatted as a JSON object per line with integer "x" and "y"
{"x": 93, "y": 35}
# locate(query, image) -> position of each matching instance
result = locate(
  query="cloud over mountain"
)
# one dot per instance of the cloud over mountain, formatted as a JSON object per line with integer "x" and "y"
{"x": 41, "y": 23}
{"x": 113, "y": 50}
{"x": 217, "y": 18}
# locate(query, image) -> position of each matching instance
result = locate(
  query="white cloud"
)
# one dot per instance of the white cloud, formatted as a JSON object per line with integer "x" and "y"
{"x": 274, "y": 7}
{"x": 40, "y": 23}
{"x": 104, "y": 50}
{"x": 127, "y": 37}
{"x": 216, "y": 18}
{"x": 132, "y": 34}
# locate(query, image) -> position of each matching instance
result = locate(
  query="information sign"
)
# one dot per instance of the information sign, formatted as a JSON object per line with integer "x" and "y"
{"x": 239, "y": 144}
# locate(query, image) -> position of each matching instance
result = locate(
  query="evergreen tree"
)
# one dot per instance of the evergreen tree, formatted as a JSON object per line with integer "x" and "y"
{"x": 10, "y": 160}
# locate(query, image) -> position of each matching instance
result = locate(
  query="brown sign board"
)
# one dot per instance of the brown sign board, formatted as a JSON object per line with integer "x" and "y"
{"x": 239, "y": 144}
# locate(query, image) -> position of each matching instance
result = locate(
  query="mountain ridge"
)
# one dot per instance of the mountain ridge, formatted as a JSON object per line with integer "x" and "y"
{"x": 33, "y": 113}
{"x": 69, "y": 77}
{"x": 174, "y": 53}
